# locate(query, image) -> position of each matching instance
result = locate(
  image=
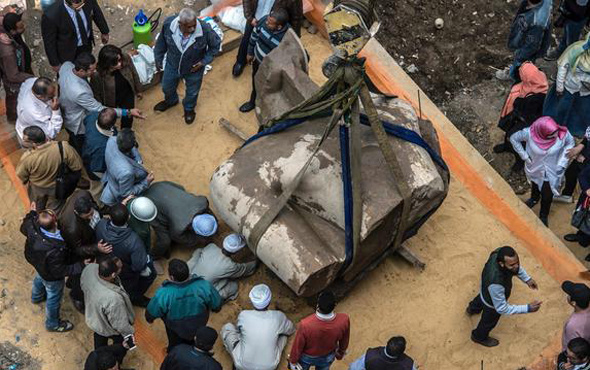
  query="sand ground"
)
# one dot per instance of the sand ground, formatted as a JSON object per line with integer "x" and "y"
{"x": 426, "y": 307}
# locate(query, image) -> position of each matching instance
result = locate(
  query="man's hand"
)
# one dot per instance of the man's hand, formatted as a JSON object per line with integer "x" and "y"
{"x": 88, "y": 261}
{"x": 150, "y": 178}
{"x": 104, "y": 248}
{"x": 534, "y": 306}
{"x": 254, "y": 22}
{"x": 196, "y": 67}
{"x": 33, "y": 206}
{"x": 559, "y": 93}
{"x": 575, "y": 151}
{"x": 136, "y": 113}
{"x": 588, "y": 193}
{"x": 56, "y": 68}
{"x": 104, "y": 38}
{"x": 532, "y": 284}
{"x": 54, "y": 104}
{"x": 127, "y": 199}
{"x": 249, "y": 59}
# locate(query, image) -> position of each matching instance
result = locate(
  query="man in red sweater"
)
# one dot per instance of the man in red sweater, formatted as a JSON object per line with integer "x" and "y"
{"x": 322, "y": 337}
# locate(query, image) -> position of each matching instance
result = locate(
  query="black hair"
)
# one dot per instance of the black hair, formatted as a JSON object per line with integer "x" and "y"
{"x": 580, "y": 347}
{"x": 83, "y": 61}
{"x": 280, "y": 15}
{"x": 326, "y": 302}
{"x": 108, "y": 266}
{"x": 105, "y": 360}
{"x": 10, "y": 21}
{"x": 119, "y": 214}
{"x": 178, "y": 269}
{"x": 535, "y": 1}
{"x": 35, "y": 134}
{"x": 108, "y": 57}
{"x": 126, "y": 140}
{"x": 41, "y": 86}
{"x": 107, "y": 118}
{"x": 83, "y": 205}
{"x": 396, "y": 346}
{"x": 504, "y": 252}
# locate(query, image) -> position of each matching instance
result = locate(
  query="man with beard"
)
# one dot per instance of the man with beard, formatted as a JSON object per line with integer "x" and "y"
{"x": 495, "y": 289}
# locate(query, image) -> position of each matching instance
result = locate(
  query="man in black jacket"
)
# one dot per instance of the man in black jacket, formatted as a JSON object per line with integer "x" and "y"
{"x": 573, "y": 16}
{"x": 77, "y": 222}
{"x": 46, "y": 251}
{"x": 66, "y": 28}
{"x": 197, "y": 357}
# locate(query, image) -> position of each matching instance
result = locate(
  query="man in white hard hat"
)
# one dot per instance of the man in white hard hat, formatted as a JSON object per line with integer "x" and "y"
{"x": 260, "y": 336}
{"x": 217, "y": 265}
{"x": 142, "y": 211}
{"x": 183, "y": 218}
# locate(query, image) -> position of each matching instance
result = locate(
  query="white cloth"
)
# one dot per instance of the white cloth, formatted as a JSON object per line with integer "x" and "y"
{"x": 76, "y": 99}
{"x": 572, "y": 82}
{"x": 546, "y": 165}
{"x": 258, "y": 340}
{"x": 260, "y": 296}
{"x": 212, "y": 265}
{"x": 233, "y": 17}
{"x": 263, "y": 9}
{"x": 34, "y": 112}
{"x": 233, "y": 243}
{"x": 144, "y": 63}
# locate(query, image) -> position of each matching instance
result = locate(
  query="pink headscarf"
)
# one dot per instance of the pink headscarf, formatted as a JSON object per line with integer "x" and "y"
{"x": 542, "y": 128}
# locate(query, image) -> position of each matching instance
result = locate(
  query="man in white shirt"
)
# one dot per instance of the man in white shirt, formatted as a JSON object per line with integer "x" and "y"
{"x": 38, "y": 106}
{"x": 496, "y": 286}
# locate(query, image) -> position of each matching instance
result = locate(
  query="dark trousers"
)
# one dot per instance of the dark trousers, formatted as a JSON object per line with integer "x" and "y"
{"x": 136, "y": 285}
{"x": 175, "y": 339}
{"x": 76, "y": 292}
{"x": 10, "y": 102}
{"x": 126, "y": 101}
{"x": 488, "y": 321}
{"x": 571, "y": 178}
{"x": 100, "y": 341}
{"x": 76, "y": 141}
{"x": 545, "y": 195}
{"x": 255, "y": 66}
{"x": 243, "y": 50}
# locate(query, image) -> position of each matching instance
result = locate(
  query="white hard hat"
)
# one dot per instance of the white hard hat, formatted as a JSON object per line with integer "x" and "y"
{"x": 143, "y": 209}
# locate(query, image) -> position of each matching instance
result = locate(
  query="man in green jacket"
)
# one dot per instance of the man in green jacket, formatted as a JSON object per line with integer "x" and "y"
{"x": 183, "y": 303}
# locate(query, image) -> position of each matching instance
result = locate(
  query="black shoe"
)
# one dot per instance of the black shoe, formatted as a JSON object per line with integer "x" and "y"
{"x": 79, "y": 306}
{"x": 470, "y": 312}
{"x": 544, "y": 220}
{"x": 142, "y": 301}
{"x": 62, "y": 327}
{"x": 163, "y": 106}
{"x": 571, "y": 237}
{"x": 488, "y": 342}
{"x": 189, "y": 116}
{"x": 238, "y": 69}
{"x": 500, "y": 148}
{"x": 247, "y": 107}
{"x": 531, "y": 202}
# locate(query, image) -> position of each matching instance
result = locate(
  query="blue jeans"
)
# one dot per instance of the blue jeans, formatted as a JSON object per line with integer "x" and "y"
{"x": 571, "y": 34}
{"x": 192, "y": 82}
{"x": 53, "y": 291}
{"x": 319, "y": 362}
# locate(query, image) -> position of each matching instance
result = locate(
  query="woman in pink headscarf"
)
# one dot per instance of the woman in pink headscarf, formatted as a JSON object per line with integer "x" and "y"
{"x": 545, "y": 159}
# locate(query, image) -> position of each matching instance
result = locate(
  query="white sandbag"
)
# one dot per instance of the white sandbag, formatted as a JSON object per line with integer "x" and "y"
{"x": 233, "y": 17}
{"x": 144, "y": 63}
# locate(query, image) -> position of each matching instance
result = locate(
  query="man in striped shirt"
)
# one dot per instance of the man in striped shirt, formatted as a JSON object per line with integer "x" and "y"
{"x": 266, "y": 36}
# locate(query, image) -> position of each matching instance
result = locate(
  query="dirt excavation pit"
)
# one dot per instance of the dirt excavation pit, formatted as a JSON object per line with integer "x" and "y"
{"x": 394, "y": 299}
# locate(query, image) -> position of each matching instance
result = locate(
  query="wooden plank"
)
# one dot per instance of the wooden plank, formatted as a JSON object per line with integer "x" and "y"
{"x": 231, "y": 40}
{"x": 233, "y": 129}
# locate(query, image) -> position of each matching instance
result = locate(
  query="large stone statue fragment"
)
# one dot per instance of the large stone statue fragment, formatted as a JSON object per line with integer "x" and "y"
{"x": 305, "y": 245}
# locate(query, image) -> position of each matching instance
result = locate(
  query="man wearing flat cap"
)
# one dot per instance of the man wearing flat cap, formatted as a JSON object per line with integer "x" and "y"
{"x": 578, "y": 324}
{"x": 217, "y": 265}
{"x": 197, "y": 356}
{"x": 260, "y": 336}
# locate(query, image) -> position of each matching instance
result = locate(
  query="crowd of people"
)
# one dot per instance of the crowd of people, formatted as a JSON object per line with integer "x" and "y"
{"x": 94, "y": 204}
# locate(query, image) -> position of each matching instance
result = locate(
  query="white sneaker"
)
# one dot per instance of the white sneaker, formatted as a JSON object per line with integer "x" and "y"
{"x": 503, "y": 74}
{"x": 564, "y": 199}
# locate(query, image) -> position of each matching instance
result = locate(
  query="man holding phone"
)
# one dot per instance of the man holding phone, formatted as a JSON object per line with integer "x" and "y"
{"x": 109, "y": 312}
{"x": 189, "y": 45}
{"x": 66, "y": 28}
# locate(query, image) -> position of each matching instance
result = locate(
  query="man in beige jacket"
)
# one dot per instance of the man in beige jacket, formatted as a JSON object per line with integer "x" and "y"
{"x": 109, "y": 312}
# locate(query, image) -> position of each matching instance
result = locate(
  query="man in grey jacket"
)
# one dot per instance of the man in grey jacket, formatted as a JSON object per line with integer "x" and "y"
{"x": 261, "y": 335}
{"x": 178, "y": 212}
{"x": 138, "y": 271}
{"x": 77, "y": 100}
{"x": 216, "y": 265}
{"x": 109, "y": 313}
